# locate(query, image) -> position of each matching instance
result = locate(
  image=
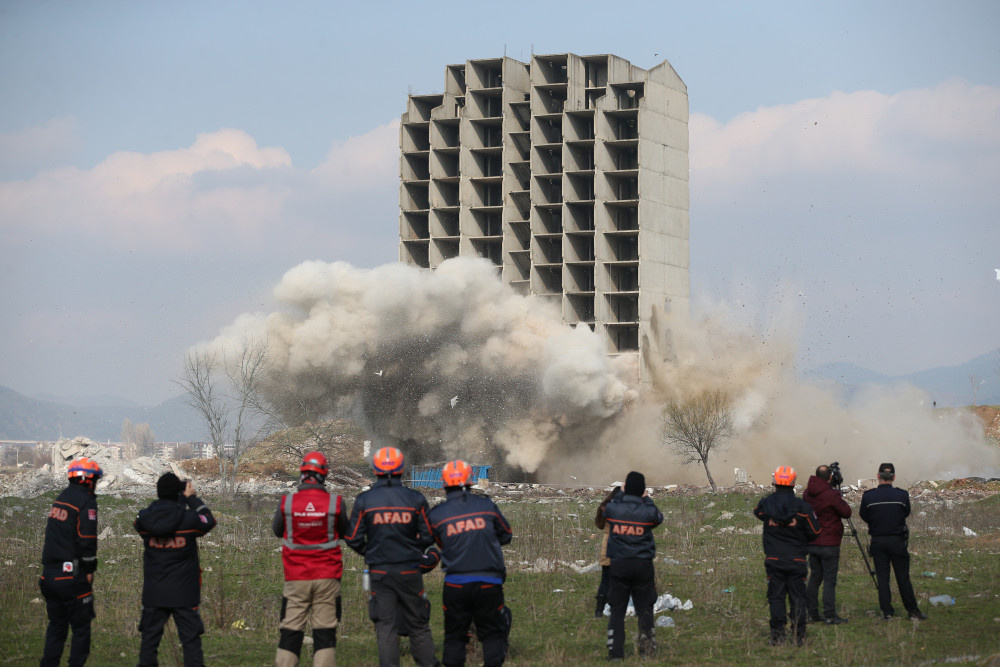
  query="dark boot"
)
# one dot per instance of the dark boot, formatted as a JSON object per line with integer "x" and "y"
{"x": 601, "y": 601}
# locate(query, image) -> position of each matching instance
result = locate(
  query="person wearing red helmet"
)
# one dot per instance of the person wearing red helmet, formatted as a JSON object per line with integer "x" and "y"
{"x": 69, "y": 560}
{"x": 310, "y": 523}
{"x": 389, "y": 528}
{"x": 470, "y": 529}
{"x": 789, "y": 525}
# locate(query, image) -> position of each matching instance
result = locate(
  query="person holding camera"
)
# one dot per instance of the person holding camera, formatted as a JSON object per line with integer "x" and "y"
{"x": 171, "y": 582}
{"x": 789, "y": 525}
{"x": 632, "y": 548}
{"x": 823, "y": 494}
{"x": 604, "y": 561}
{"x": 885, "y": 509}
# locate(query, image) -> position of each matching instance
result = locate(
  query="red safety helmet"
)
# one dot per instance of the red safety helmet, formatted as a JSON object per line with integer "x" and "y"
{"x": 388, "y": 461}
{"x": 784, "y": 476}
{"x": 314, "y": 462}
{"x": 83, "y": 468}
{"x": 456, "y": 473}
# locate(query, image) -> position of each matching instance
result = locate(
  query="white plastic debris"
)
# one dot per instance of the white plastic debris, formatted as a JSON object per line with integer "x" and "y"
{"x": 945, "y": 600}
{"x": 969, "y": 532}
{"x": 664, "y": 622}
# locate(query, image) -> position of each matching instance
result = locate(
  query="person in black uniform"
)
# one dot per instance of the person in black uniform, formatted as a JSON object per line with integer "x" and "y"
{"x": 632, "y": 517}
{"x": 171, "y": 583}
{"x": 69, "y": 560}
{"x": 789, "y": 525}
{"x": 470, "y": 529}
{"x": 885, "y": 509}
{"x": 390, "y": 529}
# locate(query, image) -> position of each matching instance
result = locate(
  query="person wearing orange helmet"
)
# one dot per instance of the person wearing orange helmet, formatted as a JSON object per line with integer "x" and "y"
{"x": 789, "y": 526}
{"x": 389, "y": 528}
{"x": 470, "y": 529}
{"x": 69, "y": 560}
{"x": 310, "y": 523}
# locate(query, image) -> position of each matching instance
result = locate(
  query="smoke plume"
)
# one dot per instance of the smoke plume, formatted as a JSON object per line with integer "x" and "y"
{"x": 452, "y": 363}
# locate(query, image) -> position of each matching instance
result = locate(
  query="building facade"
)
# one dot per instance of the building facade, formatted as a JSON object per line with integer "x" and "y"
{"x": 570, "y": 173}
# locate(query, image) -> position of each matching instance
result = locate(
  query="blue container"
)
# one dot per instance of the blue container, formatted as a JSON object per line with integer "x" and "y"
{"x": 429, "y": 477}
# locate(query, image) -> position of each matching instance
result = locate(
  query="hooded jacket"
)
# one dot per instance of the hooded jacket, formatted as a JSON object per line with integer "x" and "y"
{"x": 171, "y": 573}
{"x": 830, "y": 508}
{"x": 789, "y": 524}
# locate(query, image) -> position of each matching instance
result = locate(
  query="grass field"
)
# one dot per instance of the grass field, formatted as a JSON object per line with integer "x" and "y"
{"x": 715, "y": 561}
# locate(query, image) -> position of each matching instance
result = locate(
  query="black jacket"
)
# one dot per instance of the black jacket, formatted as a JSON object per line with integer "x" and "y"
{"x": 389, "y": 524}
{"x": 470, "y": 530}
{"x": 171, "y": 573}
{"x": 885, "y": 509}
{"x": 789, "y": 524}
{"x": 71, "y": 530}
{"x": 632, "y": 520}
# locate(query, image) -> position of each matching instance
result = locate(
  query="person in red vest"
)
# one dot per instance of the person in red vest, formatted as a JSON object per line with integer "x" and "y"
{"x": 310, "y": 523}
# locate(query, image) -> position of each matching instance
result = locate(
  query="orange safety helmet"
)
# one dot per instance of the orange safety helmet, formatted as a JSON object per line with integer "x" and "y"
{"x": 388, "y": 461}
{"x": 83, "y": 468}
{"x": 456, "y": 473}
{"x": 314, "y": 462}
{"x": 784, "y": 476}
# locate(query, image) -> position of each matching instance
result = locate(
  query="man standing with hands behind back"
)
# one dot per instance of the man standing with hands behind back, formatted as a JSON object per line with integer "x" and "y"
{"x": 885, "y": 509}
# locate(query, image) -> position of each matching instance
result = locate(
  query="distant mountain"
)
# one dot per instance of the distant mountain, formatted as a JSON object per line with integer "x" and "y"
{"x": 949, "y": 386}
{"x": 102, "y": 401}
{"x": 24, "y": 418}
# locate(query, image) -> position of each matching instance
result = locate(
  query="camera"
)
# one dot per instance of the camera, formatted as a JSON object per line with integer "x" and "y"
{"x": 836, "y": 478}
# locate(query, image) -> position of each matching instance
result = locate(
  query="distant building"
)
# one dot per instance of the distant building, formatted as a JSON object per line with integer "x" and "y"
{"x": 569, "y": 173}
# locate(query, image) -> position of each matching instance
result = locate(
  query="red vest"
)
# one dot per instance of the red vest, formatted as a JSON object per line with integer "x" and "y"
{"x": 310, "y": 547}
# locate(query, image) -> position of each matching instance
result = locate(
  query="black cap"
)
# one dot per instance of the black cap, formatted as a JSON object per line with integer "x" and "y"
{"x": 887, "y": 467}
{"x": 169, "y": 486}
{"x": 635, "y": 484}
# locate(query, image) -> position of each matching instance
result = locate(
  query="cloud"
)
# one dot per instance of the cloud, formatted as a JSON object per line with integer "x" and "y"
{"x": 360, "y": 161}
{"x": 177, "y": 199}
{"x": 38, "y": 146}
{"x": 950, "y": 129}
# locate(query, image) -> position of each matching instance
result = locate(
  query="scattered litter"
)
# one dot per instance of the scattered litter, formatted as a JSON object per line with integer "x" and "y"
{"x": 36, "y": 601}
{"x": 670, "y": 561}
{"x": 728, "y": 590}
{"x": 239, "y": 625}
{"x": 944, "y": 600}
{"x": 928, "y": 574}
{"x": 667, "y": 602}
{"x": 951, "y": 579}
{"x": 664, "y": 622}
{"x": 969, "y": 532}
{"x": 558, "y": 590}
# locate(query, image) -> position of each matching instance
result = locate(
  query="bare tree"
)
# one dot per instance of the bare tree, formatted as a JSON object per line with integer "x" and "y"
{"x": 694, "y": 427}
{"x": 226, "y": 394}
{"x": 128, "y": 440}
{"x": 976, "y": 382}
{"x": 144, "y": 439}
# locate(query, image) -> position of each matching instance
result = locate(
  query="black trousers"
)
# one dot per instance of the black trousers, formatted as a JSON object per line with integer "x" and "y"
{"x": 189, "y": 631}
{"x": 635, "y": 578}
{"x": 786, "y": 578}
{"x": 890, "y": 551}
{"x": 397, "y": 591}
{"x": 824, "y": 561}
{"x": 69, "y": 603}
{"x": 480, "y": 602}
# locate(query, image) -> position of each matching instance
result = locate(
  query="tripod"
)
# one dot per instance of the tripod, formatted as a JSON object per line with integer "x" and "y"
{"x": 864, "y": 553}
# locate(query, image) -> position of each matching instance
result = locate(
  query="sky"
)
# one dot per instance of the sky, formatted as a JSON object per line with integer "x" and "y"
{"x": 162, "y": 165}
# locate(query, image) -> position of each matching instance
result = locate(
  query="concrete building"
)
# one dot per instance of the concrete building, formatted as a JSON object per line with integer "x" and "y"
{"x": 570, "y": 173}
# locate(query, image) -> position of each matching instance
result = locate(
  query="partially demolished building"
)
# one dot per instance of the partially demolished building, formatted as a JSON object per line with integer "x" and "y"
{"x": 569, "y": 173}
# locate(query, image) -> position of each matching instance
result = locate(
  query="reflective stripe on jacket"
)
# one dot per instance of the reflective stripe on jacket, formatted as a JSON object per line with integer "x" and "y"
{"x": 310, "y": 530}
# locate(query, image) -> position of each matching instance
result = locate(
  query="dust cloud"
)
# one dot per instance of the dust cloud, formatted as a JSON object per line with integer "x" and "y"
{"x": 452, "y": 363}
